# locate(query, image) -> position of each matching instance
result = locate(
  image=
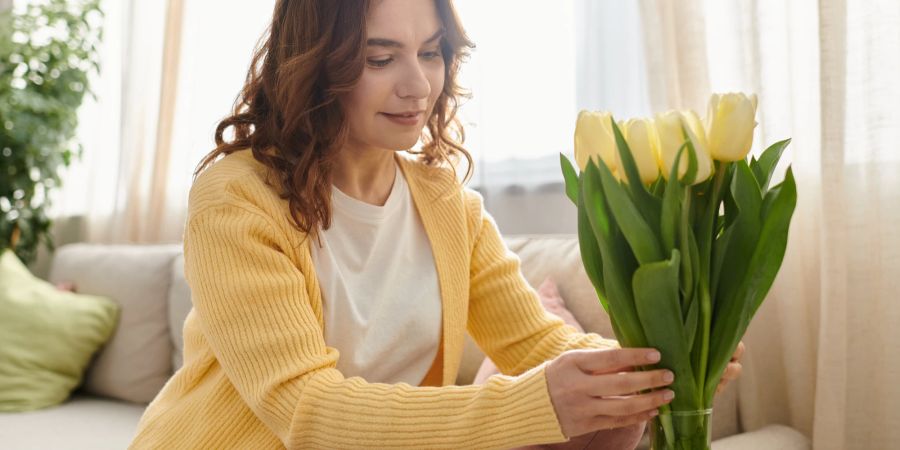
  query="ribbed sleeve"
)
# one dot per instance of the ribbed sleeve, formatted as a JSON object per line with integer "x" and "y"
{"x": 253, "y": 308}
{"x": 257, "y": 372}
{"x": 506, "y": 318}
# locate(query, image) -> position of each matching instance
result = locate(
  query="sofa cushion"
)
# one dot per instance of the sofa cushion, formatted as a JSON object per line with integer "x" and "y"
{"x": 179, "y": 307}
{"x": 557, "y": 257}
{"x": 137, "y": 361}
{"x": 82, "y": 423}
{"x": 48, "y": 337}
{"x": 770, "y": 437}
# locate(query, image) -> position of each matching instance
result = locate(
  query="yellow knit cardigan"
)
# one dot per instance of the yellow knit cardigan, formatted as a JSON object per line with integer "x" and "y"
{"x": 258, "y": 374}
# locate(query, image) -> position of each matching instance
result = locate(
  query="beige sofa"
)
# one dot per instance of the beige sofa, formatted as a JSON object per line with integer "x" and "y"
{"x": 148, "y": 282}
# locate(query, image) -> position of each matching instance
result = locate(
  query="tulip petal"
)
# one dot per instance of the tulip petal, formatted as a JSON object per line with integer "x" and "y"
{"x": 642, "y": 143}
{"x": 594, "y": 139}
{"x": 648, "y": 205}
{"x": 731, "y": 123}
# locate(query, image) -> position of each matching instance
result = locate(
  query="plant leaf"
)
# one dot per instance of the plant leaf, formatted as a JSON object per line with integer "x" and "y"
{"x": 657, "y": 300}
{"x": 617, "y": 260}
{"x": 671, "y": 206}
{"x": 590, "y": 253}
{"x": 570, "y": 177}
{"x": 648, "y": 205}
{"x": 744, "y": 233}
{"x": 764, "y": 168}
{"x": 690, "y": 321}
{"x": 692, "y": 169}
{"x": 658, "y": 188}
{"x": 731, "y": 323}
{"x": 638, "y": 233}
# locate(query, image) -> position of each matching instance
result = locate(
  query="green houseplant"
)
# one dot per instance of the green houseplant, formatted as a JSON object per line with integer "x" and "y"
{"x": 48, "y": 50}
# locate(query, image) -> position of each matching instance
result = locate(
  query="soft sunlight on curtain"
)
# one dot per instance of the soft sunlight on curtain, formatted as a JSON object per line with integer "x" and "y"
{"x": 522, "y": 76}
{"x": 125, "y": 189}
{"x": 531, "y": 76}
{"x": 214, "y": 62}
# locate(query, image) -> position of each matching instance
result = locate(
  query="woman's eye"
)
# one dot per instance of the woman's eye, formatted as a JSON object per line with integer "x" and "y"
{"x": 380, "y": 62}
{"x": 384, "y": 62}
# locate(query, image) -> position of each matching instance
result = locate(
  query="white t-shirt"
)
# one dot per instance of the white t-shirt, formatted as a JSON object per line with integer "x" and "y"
{"x": 380, "y": 291}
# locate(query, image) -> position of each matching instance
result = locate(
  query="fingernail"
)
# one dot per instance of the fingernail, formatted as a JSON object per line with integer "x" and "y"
{"x": 653, "y": 356}
{"x": 668, "y": 377}
{"x": 669, "y": 395}
{"x": 654, "y": 413}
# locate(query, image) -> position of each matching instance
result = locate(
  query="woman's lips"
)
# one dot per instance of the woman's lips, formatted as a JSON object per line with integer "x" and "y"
{"x": 403, "y": 120}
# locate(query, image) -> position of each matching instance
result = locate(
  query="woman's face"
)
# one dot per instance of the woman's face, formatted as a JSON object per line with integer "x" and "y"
{"x": 404, "y": 73}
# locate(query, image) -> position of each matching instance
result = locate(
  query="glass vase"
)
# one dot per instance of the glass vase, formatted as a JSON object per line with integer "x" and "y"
{"x": 682, "y": 430}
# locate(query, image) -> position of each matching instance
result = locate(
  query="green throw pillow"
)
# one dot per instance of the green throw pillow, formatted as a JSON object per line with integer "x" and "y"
{"x": 47, "y": 337}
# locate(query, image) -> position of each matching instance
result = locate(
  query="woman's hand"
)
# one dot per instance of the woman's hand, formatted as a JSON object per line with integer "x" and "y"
{"x": 733, "y": 369}
{"x": 595, "y": 389}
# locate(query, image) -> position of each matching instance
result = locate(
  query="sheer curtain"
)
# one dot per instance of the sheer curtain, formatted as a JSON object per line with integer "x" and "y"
{"x": 826, "y": 75}
{"x": 170, "y": 73}
{"x": 119, "y": 129}
{"x": 529, "y": 78}
{"x": 171, "y": 70}
{"x": 522, "y": 79}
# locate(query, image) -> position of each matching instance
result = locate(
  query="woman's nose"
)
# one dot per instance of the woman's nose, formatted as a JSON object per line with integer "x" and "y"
{"x": 414, "y": 84}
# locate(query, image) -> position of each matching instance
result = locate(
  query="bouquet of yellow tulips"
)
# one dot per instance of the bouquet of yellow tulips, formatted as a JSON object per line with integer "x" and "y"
{"x": 681, "y": 237}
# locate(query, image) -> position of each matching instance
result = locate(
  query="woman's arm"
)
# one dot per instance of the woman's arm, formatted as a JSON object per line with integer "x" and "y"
{"x": 253, "y": 308}
{"x": 506, "y": 318}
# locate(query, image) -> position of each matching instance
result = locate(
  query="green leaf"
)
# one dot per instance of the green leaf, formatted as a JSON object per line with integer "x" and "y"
{"x": 764, "y": 168}
{"x": 590, "y": 253}
{"x": 691, "y": 266}
{"x": 690, "y": 321}
{"x": 657, "y": 300}
{"x": 744, "y": 233}
{"x": 731, "y": 324}
{"x": 648, "y": 205}
{"x": 671, "y": 206}
{"x": 725, "y": 222}
{"x": 658, "y": 188}
{"x": 570, "y": 177}
{"x": 617, "y": 261}
{"x": 772, "y": 241}
{"x": 43, "y": 116}
{"x": 692, "y": 169}
{"x": 637, "y": 232}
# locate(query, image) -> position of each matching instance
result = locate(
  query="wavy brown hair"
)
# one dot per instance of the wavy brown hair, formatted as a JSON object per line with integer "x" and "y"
{"x": 288, "y": 111}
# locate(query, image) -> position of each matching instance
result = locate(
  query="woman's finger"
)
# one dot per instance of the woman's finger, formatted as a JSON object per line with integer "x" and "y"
{"x": 732, "y": 371}
{"x": 632, "y": 405}
{"x": 600, "y": 361}
{"x": 739, "y": 352}
{"x": 629, "y": 382}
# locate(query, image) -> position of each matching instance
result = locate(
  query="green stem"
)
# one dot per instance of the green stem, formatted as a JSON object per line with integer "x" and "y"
{"x": 706, "y": 315}
{"x": 687, "y": 277}
{"x": 714, "y": 214}
{"x": 707, "y": 239}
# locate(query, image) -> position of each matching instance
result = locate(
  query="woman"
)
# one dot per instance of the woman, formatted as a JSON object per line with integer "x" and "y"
{"x": 333, "y": 279}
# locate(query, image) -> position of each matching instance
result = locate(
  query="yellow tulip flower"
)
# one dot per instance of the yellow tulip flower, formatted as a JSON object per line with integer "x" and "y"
{"x": 731, "y": 120}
